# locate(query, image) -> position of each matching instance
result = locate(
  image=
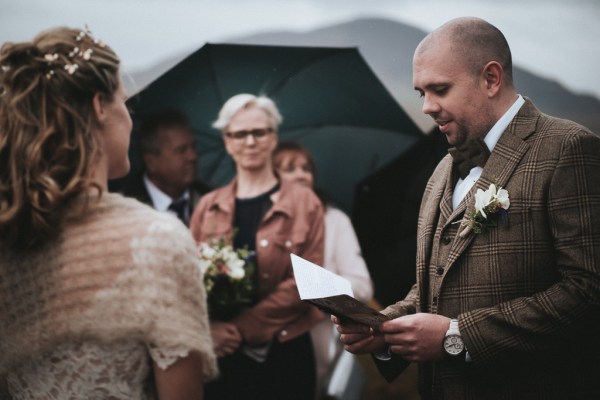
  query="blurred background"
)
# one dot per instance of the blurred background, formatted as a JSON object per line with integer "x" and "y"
{"x": 550, "y": 39}
{"x": 555, "y": 54}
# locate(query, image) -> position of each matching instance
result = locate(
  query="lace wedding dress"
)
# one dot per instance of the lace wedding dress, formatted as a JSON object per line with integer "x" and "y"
{"x": 92, "y": 371}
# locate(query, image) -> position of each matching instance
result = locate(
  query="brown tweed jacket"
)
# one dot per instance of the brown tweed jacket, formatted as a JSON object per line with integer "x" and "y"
{"x": 527, "y": 292}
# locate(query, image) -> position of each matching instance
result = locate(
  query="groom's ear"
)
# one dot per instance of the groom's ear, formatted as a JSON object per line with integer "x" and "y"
{"x": 492, "y": 77}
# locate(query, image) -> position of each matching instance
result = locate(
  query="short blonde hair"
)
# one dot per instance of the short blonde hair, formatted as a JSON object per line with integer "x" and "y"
{"x": 244, "y": 101}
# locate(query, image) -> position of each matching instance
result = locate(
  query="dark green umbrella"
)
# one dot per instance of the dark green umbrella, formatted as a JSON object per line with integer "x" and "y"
{"x": 330, "y": 100}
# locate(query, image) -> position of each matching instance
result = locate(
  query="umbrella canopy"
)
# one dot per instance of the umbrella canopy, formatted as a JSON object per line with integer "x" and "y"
{"x": 329, "y": 98}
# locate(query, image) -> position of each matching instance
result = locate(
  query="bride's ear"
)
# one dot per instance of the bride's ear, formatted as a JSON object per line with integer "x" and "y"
{"x": 98, "y": 102}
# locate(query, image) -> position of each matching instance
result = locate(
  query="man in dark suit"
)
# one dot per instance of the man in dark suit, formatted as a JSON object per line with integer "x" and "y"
{"x": 506, "y": 305}
{"x": 168, "y": 151}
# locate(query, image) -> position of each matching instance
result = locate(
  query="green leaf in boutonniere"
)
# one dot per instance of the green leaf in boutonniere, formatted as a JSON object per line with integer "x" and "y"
{"x": 489, "y": 206}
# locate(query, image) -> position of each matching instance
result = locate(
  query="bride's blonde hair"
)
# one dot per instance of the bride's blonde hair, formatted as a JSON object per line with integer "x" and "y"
{"x": 46, "y": 116}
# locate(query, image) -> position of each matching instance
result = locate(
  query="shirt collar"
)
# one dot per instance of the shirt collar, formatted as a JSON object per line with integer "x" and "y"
{"x": 160, "y": 200}
{"x": 494, "y": 134}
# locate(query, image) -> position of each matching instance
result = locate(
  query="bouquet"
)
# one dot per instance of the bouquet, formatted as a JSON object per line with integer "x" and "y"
{"x": 228, "y": 277}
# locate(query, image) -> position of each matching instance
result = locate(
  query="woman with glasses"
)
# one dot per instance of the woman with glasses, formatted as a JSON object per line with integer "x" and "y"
{"x": 264, "y": 351}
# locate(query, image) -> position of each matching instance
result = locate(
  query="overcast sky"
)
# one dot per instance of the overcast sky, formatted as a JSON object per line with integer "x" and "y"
{"x": 554, "y": 38}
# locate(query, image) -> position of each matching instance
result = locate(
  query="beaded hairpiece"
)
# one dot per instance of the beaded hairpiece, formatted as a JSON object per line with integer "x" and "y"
{"x": 82, "y": 52}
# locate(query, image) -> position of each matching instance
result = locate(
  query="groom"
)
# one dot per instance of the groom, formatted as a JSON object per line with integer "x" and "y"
{"x": 512, "y": 311}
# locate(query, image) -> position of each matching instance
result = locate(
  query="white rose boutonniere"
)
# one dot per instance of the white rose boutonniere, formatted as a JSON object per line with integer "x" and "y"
{"x": 489, "y": 205}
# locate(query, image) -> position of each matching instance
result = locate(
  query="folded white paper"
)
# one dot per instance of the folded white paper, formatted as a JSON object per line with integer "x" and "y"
{"x": 332, "y": 293}
{"x": 315, "y": 282}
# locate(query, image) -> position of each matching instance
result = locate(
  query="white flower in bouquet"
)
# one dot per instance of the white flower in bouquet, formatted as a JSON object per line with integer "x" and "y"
{"x": 206, "y": 251}
{"x": 221, "y": 259}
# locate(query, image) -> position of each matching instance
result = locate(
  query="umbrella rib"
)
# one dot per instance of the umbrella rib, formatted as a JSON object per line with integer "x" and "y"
{"x": 213, "y": 73}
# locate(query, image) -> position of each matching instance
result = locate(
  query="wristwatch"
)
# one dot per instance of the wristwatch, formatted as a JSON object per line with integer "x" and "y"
{"x": 453, "y": 343}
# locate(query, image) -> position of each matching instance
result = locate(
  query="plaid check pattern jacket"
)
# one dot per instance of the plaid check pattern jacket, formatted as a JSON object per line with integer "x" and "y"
{"x": 527, "y": 292}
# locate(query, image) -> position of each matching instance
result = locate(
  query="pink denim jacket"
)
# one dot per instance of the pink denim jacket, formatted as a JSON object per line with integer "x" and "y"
{"x": 294, "y": 224}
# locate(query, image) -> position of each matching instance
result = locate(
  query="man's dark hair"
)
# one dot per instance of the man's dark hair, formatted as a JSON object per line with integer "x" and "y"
{"x": 150, "y": 128}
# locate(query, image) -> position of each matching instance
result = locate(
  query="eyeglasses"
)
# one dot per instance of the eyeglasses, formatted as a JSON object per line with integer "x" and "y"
{"x": 258, "y": 134}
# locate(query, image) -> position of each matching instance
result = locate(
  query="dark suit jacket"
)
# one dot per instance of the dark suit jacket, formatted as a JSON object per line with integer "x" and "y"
{"x": 527, "y": 292}
{"x": 135, "y": 187}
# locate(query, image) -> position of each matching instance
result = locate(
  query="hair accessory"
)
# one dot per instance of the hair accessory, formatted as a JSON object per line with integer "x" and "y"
{"x": 83, "y": 52}
{"x": 71, "y": 68}
{"x": 51, "y": 57}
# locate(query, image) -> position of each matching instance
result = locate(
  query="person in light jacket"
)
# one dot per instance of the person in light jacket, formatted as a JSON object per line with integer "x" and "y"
{"x": 266, "y": 350}
{"x": 294, "y": 163}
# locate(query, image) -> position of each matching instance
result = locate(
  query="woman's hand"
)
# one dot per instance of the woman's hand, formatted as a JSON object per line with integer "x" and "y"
{"x": 226, "y": 337}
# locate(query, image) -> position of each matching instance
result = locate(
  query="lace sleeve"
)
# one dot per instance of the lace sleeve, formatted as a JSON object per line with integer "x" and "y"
{"x": 164, "y": 357}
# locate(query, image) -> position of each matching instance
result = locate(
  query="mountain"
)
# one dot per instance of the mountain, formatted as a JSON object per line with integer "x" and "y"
{"x": 388, "y": 47}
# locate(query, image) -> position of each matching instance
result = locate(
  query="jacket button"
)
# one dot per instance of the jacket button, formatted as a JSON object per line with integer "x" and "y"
{"x": 446, "y": 240}
{"x": 284, "y": 333}
{"x": 439, "y": 270}
{"x": 265, "y": 276}
{"x": 264, "y": 243}
{"x": 288, "y": 243}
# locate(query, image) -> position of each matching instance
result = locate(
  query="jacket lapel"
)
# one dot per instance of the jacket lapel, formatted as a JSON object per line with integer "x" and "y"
{"x": 446, "y": 198}
{"x": 507, "y": 155}
{"x": 509, "y": 150}
{"x": 435, "y": 207}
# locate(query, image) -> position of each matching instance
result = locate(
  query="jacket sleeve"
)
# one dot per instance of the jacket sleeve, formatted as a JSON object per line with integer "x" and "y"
{"x": 403, "y": 307}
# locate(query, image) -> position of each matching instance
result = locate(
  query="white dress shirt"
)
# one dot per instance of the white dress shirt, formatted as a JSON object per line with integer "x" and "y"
{"x": 160, "y": 200}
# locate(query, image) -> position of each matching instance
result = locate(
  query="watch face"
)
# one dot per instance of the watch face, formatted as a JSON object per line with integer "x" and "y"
{"x": 454, "y": 345}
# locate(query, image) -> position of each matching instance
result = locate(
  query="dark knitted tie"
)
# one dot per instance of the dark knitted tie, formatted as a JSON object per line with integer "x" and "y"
{"x": 179, "y": 207}
{"x": 472, "y": 154}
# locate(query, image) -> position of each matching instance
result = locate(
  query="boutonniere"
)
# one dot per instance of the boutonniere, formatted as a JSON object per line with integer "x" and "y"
{"x": 489, "y": 206}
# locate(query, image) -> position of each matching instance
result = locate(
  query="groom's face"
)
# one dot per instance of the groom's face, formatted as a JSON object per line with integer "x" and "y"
{"x": 452, "y": 94}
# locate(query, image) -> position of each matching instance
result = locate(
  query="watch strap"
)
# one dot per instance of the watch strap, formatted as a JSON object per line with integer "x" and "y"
{"x": 453, "y": 329}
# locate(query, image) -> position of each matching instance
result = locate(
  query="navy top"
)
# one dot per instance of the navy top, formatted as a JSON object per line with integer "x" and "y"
{"x": 248, "y": 214}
